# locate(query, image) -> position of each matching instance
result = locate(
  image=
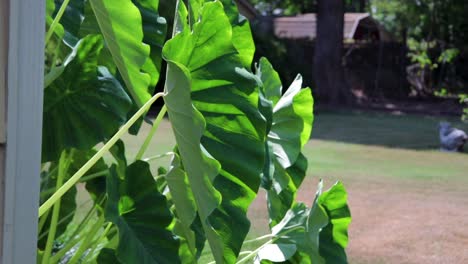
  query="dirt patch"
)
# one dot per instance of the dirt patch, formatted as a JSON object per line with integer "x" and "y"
{"x": 397, "y": 220}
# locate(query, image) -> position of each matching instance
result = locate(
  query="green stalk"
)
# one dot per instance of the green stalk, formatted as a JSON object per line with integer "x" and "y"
{"x": 75, "y": 237}
{"x": 94, "y": 175}
{"x": 42, "y": 222}
{"x": 253, "y": 253}
{"x": 52, "y": 172}
{"x": 83, "y": 179}
{"x": 64, "y": 163}
{"x": 271, "y": 241}
{"x": 56, "y": 20}
{"x": 54, "y": 73}
{"x": 89, "y": 215}
{"x": 158, "y": 156}
{"x": 95, "y": 243}
{"x": 90, "y": 163}
{"x": 155, "y": 126}
{"x": 56, "y": 258}
{"x": 85, "y": 244}
{"x": 259, "y": 238}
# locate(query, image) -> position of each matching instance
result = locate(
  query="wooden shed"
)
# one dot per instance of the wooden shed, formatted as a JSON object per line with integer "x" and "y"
{"x": 357, "y": 27}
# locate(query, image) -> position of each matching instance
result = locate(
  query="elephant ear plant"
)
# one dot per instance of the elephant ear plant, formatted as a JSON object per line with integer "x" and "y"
{"x": 235, "y": 130}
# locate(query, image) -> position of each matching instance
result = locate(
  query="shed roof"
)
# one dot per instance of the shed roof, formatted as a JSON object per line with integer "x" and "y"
{"x": 304, "y": 26}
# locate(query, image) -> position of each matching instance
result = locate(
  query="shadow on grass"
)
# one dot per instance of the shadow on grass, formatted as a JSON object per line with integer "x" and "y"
{"x": 408, "y": 131}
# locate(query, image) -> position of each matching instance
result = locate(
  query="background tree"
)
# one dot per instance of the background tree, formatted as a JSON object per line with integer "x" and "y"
{"x": 328, "y": 71}
{"x": 328, "y": 68}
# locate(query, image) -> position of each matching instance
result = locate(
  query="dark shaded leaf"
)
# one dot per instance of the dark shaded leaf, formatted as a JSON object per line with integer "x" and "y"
{"x": 71, "y": 19}
{"x": 85, "y": 105}
{"x": 141, "y": 215}
{"x": 107, "y": 256}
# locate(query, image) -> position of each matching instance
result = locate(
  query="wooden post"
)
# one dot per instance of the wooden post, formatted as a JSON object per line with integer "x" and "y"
{"x": 3, "y": 62}
{"x": 21, "y": 86}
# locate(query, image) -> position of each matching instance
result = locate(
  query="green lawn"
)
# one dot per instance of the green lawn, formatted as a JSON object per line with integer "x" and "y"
{"x": 381, "y": 129}
{"x": 349, "y": 144}
{"x": 357, "y": 148}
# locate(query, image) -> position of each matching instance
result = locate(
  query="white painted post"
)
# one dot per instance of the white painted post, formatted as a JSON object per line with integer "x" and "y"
{"x": 3, "y": 63}
{"x": 25, "y": 70}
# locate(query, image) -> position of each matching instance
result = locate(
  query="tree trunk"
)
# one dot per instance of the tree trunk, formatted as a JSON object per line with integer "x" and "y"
{"x": 328, "y": 69}
{"x": 362, "y": 6}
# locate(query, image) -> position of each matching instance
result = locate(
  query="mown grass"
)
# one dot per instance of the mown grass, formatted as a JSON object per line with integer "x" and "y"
{"x": 381, "y": 129}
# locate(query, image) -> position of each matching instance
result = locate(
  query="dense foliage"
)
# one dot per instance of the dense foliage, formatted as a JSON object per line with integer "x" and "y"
{"x": 235, "y": 130}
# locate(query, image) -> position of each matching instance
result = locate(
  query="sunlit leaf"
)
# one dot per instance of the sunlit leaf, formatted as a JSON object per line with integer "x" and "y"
{"x": 276, "y": 252}
{"x": 290, "y": 118}
{"x": 334, "y": 237}
{"x": 204, "y": 62}
{"x": 120, "y": 22}
{"x": 186, "y": 209}
{"x": 71, "y": 20}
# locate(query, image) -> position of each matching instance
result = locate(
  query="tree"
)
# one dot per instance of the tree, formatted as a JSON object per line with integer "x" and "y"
{"x": 328, "y": 69}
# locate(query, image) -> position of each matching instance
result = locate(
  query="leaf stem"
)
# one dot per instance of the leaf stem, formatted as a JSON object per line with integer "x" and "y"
{"x": 90, "y": 163}
{"x": 61, "y": 221}
{"x": 64, "y": 162}
{"x": 259, "y": 238}
{"x": 56, "y": 20}
{"x": 49, "y": 174}
{"x": 56, "y": 258}
{"x": 95, "y": 243}
{"x": 94, "y": 175}
{"x": 253, "y": 253}
{"x": 86, "y": 241}
{"x": 42, "y": 221}
{"x": 153, "y": 130}
{"x": 148, "y": 159}
{"x": 272, "y": 240}
{"x": 76, "y": 237}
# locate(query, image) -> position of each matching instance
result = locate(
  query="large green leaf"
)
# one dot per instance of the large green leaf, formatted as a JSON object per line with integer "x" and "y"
{"x": 141, "y": 215}
{"x": 291, "y": 125}
{"x": 53, "y": 46}
{"x": 107, "y": 256}
{"x": 241, "y": 34}
{"x": 85, "y": 105}
{"x": 276, "y": 252}
{"x": 319, "y": 233}
{"x": 225, "y": 97}
{"x": 272, "y": 87}
{"x": 120, "y": 22}
{"x": 301, "y": 227}
{"x": 285, "y": 185}
{"x": 334, "y": 237}
{"x": 188, "y": 124}
{"x": 154, "y": 34}
{"x": 71, "y": 19}
{"x": 186, "y": 210}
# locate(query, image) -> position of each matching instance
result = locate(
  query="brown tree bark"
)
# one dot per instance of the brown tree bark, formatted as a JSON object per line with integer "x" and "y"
{"x": 328, "y": 69}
